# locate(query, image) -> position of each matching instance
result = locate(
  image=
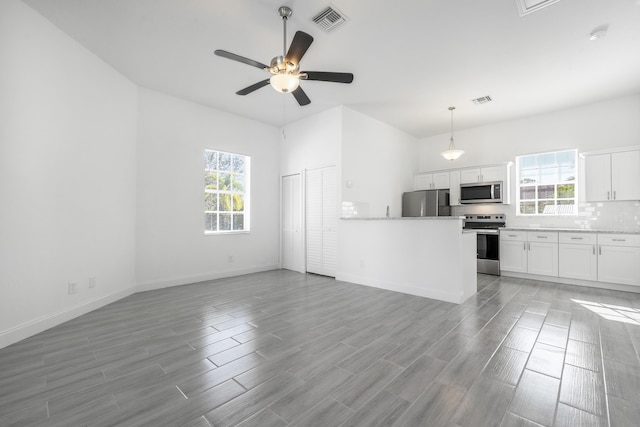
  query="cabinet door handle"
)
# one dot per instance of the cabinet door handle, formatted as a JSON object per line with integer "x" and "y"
{"x": 608, "y": 198}
{"x": 513, "y": 235}
{"x": 614, "y": 194}
{"x": 619, "y": 240}
{"x": 594, "y": 249}
{"x": 541, "y": 237}
{"x": 600, "y": 250}
{"x": 524, "y": 246}
{"x": 576, "y": 238}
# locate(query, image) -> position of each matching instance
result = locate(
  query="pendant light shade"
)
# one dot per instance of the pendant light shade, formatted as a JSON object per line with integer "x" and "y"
{"x": 452, "y": 154}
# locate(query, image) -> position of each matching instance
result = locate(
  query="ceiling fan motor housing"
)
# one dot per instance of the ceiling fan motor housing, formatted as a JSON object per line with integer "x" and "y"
{"x": 280, "y": 65}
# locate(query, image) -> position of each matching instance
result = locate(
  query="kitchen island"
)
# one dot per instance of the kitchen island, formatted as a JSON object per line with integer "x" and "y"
{"x": 426, "y": 256}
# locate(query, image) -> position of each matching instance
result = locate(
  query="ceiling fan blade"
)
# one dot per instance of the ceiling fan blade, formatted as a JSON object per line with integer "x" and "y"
{"x": 301, "y": 97}
{"x": 299, "y": 45}
{"x": 326, "y": 76}
{"x": 253, "y": 87}
{"x": 234, "y": 57}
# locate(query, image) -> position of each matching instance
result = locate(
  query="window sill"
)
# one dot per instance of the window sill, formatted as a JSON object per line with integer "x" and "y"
{"x": 225, "y": 233}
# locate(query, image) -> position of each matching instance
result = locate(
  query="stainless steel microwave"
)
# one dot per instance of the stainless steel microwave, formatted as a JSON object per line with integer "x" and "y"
{"x": 481, "y": 192}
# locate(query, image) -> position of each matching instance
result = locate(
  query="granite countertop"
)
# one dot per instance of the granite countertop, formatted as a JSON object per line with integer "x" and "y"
{"x": 572, "y": 230}
{"x": 404, "y": 218}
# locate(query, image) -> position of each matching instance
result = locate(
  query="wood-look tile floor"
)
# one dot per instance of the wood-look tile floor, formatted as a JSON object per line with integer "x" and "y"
{"x": 281, "y": 348}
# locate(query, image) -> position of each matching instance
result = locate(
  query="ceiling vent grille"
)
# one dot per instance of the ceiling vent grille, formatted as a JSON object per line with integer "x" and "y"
{"x": 482, "y": 100}
{"x": 329, "y": 19}
{"x": 529, "y": 6}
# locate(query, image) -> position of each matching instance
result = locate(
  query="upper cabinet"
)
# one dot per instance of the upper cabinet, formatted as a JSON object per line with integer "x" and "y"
{"x": 431, "y": 181}
{"x": 486, "y": 174}
{"x": 452, "y": 179}
{"x": 612, "y": 176}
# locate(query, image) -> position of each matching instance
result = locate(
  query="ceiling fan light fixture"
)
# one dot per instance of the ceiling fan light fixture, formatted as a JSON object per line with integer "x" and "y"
{"x": 452, "y": 154}
{"x": 284, "y": 82}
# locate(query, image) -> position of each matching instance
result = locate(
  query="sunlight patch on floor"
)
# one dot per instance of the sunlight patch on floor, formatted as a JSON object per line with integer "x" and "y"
{"x": 617, "y": 313}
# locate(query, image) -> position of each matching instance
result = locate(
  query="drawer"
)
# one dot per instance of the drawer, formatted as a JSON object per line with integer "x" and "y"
{"x": 542, "y": 236}
{"x": 619, "y": 239}
{"x": 578, "y": 238}
{"x": 520, "y": 236}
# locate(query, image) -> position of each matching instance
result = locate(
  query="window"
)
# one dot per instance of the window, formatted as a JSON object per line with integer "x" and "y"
{"x": 547, "y": 183}
{"x": 226, "y": 192}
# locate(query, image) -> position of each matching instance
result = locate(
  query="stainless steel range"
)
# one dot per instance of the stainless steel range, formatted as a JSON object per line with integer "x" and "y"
{"x": 487, "y": 227}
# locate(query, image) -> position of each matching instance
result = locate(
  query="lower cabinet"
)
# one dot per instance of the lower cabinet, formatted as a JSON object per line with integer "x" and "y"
{"x": 513, "y": 251}
{"x": 578, "y": 257}
{"x": 529, "y": 252}
{"x": 595, "y": 257}
{"x": 619, "y": 259}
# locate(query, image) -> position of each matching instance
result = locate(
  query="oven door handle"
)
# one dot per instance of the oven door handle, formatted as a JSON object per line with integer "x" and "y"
{"x": 483, "y": 231}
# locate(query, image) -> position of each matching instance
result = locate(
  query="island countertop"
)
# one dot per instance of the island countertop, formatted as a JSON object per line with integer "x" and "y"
{"x": 403, "y": 218}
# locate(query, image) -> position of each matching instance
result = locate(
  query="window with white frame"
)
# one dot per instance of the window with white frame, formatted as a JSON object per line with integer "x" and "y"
{"x": 547, "y": 183}
{"x": 226, "y": 192}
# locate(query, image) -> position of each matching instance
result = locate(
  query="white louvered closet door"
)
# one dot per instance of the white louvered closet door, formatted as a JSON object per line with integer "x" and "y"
{"x": 322, "y": 221}
{"x": 292, "y": 236}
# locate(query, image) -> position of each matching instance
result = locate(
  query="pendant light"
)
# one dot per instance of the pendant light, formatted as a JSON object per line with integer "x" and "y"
{"x": 452, "y": 154}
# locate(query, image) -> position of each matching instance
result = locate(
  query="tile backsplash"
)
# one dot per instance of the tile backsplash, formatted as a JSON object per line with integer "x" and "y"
{"x": 619, "y": 215}
{"x": 623, "y": 216}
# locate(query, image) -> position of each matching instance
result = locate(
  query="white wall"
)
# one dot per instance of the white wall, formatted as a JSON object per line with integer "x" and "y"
{"x": 597, "y": 126}
{"x": 591, "y": 127}
{"x": 67, "y": 176}
{"x": 311, "y": 143}
{"x": 378, "y": 162}
{"x": 171, "y": 247}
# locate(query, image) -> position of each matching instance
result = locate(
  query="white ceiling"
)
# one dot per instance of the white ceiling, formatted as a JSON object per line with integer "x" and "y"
{"x": 412, "y": 59}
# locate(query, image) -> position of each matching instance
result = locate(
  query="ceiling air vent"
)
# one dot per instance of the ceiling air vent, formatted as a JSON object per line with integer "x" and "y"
{"x": 481, "y": 100}
{"x": 329, "y": 19}
{"x": 529, "y": 6}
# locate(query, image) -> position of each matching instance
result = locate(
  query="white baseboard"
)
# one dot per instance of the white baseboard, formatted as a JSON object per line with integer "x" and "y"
{"x": 421, "y": 291}
{"x": 41, "y": 324}
{"x": 187, "y": 280}
{"x": 33, "y": 327}
{"x": 567, "y": 281}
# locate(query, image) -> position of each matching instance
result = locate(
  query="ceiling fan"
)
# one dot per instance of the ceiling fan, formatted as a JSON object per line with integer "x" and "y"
{"x": 285, "y": 69}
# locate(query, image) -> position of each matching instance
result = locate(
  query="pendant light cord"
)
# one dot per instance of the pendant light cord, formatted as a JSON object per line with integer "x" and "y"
{"x": 451, "y": 145}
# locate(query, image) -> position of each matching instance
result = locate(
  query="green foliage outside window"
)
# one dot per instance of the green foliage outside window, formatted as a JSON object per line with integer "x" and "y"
{"x": 225, "y": 191}
{"x": 546, "y": 183}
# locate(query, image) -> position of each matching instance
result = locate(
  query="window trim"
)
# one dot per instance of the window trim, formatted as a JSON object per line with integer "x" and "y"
{"x": 246, "y": 193}
{"x": 575, "y": 183}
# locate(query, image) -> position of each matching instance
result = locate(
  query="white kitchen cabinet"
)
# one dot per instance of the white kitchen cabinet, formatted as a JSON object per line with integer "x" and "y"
{"x": 542, "y": 253}
{"x": 529, "y": 252}
{"x": 485, "y": 174}
{"x": 454, "y": 184}
{"x": 577, "y": 256}
{"x": 619, "y": 259}
{"x": 513, "y": 251}
{"x": 431, "y": 181}
{"x": 612, "y": 176}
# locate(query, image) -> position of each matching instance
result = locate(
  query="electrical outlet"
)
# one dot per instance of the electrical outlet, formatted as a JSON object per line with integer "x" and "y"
{"x": 92, "y": 282}
{"x": 230, "y": 258}
{"x": 73, "y": 287}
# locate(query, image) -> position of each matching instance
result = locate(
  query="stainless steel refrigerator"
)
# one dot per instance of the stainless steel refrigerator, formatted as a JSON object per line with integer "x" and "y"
{"x": 426, "y": 203}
